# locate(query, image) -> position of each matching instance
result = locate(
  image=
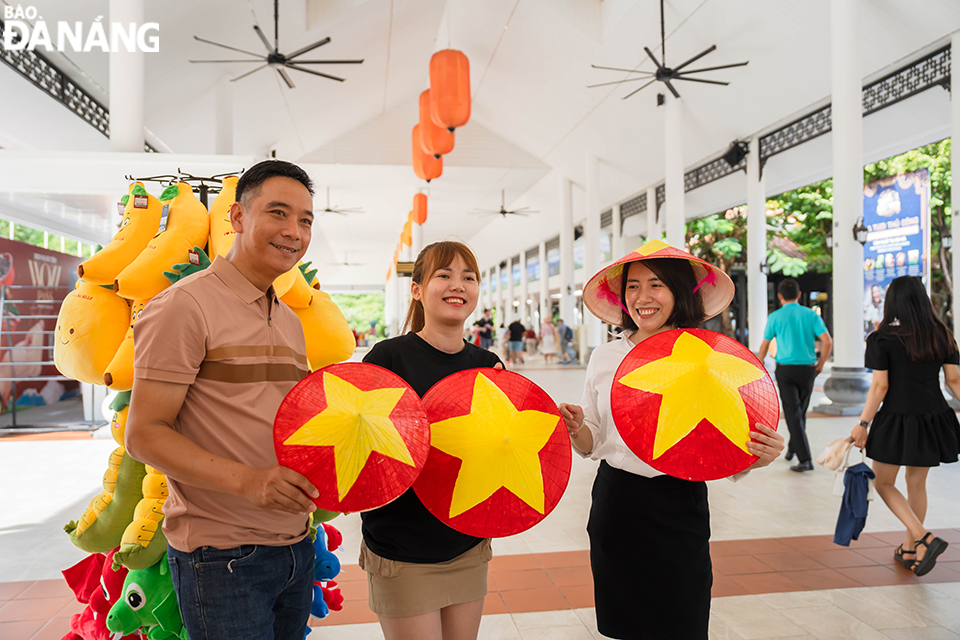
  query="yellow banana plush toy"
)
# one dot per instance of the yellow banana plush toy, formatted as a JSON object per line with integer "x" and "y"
{"x": 221, "y": 231}
{"x": 121, "y": 407}
{"x": 187, "y": 225}
{"x": 101, "y": 526}
{"x": 143, "y": 542}
{"x": 292, "y": 287}
{"x": 119, "y": 373}
{"x": 141, "y": 217}
{"x": 328, "y": 336}
{"x": 92, "y": 323}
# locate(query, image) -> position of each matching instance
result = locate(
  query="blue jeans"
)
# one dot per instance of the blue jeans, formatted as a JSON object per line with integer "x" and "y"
{"x": 250, "y": 592}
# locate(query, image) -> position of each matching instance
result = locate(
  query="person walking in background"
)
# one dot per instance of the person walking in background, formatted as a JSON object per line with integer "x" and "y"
{"x": 548, "y": 340}
{"x": 566, "y": 335}
{"x": 796, "y": 329}
{"x": 516, "y": 331}
{"x": 530, "y": 340}
{"x": 915, "y": 427}
{"x": 485, "y": 327}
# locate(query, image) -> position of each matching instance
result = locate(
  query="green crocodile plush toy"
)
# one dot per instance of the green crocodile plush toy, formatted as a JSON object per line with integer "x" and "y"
{"x": 148, "y": 602}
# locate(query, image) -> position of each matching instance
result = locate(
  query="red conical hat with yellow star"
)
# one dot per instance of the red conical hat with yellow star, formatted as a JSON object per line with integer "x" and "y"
{"x": 499, "y": 455}
{"x": 685, "y": 401}
{"x": 602, "y": 293}
{"x": 357, "y": 431}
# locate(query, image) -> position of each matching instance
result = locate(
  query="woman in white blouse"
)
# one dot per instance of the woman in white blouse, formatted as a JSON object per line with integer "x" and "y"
{"x": 649, "y": 532}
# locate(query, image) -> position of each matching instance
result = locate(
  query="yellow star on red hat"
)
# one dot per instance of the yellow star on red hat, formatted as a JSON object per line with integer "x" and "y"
{"x": 355, "y": 423}
{"x": 499, "y": 446}
{"x": 696, "y": 383}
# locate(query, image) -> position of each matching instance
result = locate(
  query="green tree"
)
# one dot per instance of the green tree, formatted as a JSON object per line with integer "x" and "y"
{"x": 719, "y": 239}
{"x": 360, "y": 309}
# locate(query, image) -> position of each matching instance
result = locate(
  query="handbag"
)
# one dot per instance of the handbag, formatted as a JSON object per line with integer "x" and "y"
{"x": 841, "y": 472}
{"x": 833, "y": 456}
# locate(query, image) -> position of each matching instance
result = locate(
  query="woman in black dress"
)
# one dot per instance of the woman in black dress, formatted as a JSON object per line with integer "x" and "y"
{"x": 914, "y": 428}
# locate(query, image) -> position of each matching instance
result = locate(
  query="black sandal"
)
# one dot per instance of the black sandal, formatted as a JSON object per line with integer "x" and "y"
{"x": 898, "y": 555}
{"x": 935, "y": 547}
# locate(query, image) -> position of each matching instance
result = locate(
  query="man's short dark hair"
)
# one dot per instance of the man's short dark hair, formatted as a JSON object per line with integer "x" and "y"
{"x": 248, "y": 186}
{"x": 789, "y": 289}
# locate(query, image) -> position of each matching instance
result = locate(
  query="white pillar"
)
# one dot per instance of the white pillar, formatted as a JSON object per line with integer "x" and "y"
{"x": 416, "y": 234}
{"x": 756, "y": 247}
{"x": 847, "y": 182}
{"x": 223, "y": 117}
{"x": 491, "y": 274}
{"x": 545, "y": 305}
{"x": 500, "y": 296}
{"x": 653, "y": 225}
{"x": 955, "y": 171}
{"x": 673, "y": 172}
{"x": 524, "y": 291}
{"x": 591, "y": 254}
{"x": 566, "y": 251}
{"x": 127, "y": 82}
{"x": 390, "y": 310}
{"x": 398, "y": 296}
{"x": 616, "y": 239}
{"x": 511, "y": 293}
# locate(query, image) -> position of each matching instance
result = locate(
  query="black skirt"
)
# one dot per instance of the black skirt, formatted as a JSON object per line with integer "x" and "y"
{"x": 650, "y": 556}
{"x": 923, "y": 440}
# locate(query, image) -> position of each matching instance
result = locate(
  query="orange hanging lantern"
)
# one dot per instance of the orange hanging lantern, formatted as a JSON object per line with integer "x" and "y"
{"x": 419, "y": 208}
{"x": 434, "y": 140}
{"x": 425, "y": 165}
{"x": 407, "y": 236}
{"x": 449, "y": 89}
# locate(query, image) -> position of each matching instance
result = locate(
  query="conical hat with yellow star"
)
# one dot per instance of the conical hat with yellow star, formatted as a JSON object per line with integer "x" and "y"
{"x": 686, "y": 400}
{"x": 499, "y": 455}
{"x": 357, "y": 431}
{"x": 602, "y": 293}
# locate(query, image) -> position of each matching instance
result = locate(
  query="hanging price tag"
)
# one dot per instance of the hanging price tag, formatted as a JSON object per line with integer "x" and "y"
{"x": 140, "y": 202}
{"x": 120, "y": 208}
{"x": 194, "y": 257}
{"x": 163, "y": 218}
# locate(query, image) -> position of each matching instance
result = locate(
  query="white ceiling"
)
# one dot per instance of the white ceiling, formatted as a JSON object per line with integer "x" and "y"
{"x": 533, "y": 118}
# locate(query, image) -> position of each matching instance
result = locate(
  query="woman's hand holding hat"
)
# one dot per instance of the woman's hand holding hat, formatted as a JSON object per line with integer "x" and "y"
{"x": 766, "y": 444}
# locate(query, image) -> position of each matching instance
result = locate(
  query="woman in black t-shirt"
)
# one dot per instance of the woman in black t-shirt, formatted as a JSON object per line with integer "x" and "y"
{"x": 427, "y": 580}
{"x": 915, "y": 427}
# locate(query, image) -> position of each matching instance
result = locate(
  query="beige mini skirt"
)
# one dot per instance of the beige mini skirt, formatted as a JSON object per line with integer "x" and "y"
{"x": 401, "y": 589}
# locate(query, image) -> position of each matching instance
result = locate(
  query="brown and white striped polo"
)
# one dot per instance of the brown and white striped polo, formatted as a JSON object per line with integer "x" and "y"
{"x": 241, "y": 351}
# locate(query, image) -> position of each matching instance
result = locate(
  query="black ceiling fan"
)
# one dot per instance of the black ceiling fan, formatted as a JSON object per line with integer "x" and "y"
{"x": 343, "y": 211}
{"x": 274, "y": 58}
{"x": 665, "y": 74}
{"x": 522, "y": 211}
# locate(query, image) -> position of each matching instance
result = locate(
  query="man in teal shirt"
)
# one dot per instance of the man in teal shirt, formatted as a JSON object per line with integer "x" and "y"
{"x": 796, "y": 328}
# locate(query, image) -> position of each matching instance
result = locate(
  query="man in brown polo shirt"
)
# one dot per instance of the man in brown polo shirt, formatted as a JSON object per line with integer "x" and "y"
{"x": 215, "y": 355}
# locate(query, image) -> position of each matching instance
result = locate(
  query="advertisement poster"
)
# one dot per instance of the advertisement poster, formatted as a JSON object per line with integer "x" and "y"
{"x": 26, "y": 337}
{"x": 896, "y": 211}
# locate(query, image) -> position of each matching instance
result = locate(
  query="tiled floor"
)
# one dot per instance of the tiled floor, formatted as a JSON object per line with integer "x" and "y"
{"x": 776, "y": 571}
{"x": 561, "y": 581}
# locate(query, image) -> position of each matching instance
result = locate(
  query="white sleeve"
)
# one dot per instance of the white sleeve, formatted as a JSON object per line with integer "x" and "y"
{"x": 591, "y": 410}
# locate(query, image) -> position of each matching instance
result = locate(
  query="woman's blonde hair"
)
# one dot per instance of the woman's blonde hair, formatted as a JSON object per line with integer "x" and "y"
{"x": 435, "y": 256}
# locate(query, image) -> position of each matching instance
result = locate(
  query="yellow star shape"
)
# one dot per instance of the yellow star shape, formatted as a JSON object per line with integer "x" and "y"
{"x": 355, "y": 423}
{"x": 696, "y": 383}
{"x": 499, "y": 446}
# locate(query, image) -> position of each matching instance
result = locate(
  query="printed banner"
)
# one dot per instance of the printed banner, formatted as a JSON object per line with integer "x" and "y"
{"x": 896, "y": 211}
{"x": 23, "y": 335}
